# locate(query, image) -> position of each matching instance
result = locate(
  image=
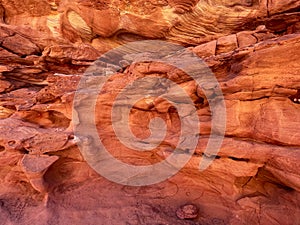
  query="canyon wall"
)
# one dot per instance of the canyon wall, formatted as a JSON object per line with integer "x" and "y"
{"x": 251, "y": 46}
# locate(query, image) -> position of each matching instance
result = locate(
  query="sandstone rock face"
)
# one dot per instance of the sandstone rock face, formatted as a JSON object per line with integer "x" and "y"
{"x": 253, "y": 49}
{"x": 35, "y": 167}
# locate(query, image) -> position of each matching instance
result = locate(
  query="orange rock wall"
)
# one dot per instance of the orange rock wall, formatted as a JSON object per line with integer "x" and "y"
{"x": 252, "y": 47}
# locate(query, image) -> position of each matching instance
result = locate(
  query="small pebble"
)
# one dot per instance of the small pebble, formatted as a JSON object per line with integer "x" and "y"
{"x": 189, "y": 211}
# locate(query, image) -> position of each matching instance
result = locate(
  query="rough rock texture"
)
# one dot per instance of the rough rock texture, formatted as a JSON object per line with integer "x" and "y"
{"x": 253, "y": 48}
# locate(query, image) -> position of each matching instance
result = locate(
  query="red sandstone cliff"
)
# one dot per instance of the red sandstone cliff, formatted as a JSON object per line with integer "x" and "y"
{"x": 252, "y": 47}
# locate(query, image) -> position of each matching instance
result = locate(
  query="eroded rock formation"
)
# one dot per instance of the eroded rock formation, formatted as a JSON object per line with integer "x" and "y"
{"x": 252, "y": 47}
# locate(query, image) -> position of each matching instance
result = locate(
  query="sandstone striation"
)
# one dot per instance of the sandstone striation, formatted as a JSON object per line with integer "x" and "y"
{"x": 251, "y": 46}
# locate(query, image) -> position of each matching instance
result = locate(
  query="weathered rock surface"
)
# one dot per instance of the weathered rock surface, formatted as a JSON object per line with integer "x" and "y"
{"x": 252, "y": 47}
{"x": 35, "y": 167}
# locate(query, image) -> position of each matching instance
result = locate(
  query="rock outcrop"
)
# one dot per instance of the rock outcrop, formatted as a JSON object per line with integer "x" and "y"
{"x": 251, "y": 46}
